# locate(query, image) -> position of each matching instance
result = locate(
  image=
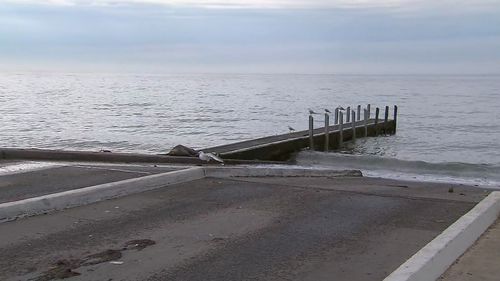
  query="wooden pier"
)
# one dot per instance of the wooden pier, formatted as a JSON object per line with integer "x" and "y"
{"x": 328, "y": 137}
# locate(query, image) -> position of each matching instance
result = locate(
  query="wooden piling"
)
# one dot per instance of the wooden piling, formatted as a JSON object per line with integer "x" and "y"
{"x": 386, "y": 119}
{"x": 353, "y": 126}
{"x": 359, "y": 112}
{"x": 327, "y": 132}
{"x": 341, "y": 128}
{"x": 369, "y": 110}
{"x": 311, "y": 132}
{"x": 377, "y": 111}
{"x": 365, "y": 122}
{"x": 348, "y": 115}
{"x": 336, "y": 116}
{"x": 395, "y": 118}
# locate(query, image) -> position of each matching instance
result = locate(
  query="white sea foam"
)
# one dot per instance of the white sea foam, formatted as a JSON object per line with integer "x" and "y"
{"x": 23, "y": 167}
{"x": 486, "y": 175}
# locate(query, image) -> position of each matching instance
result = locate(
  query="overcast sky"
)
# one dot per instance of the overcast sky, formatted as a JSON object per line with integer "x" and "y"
{"x": 259, "y": 36}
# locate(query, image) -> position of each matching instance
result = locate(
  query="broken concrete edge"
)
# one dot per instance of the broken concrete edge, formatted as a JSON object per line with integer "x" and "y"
{"x": 438, "y": 255}
{"x": 229, "y": 172}
{"x": 87, "y": 195}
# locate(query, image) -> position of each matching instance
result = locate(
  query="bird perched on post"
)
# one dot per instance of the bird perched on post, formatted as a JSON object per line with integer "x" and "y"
{"x": 340, "y": 108}
{"x": 209, "y": 156}
{"x": 327, "y": 110}
{"x": 290, "y": 129}
{"x": 311, "y": 112}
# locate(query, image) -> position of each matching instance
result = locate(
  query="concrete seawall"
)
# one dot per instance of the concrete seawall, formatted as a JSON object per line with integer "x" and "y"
{"x": 255, "y": 151}
{"x": 68, "y": 155}
{"x": 279, "y": 148}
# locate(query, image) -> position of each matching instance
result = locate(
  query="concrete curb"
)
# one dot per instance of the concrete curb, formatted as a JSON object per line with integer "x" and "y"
{"x": 87, "y": 195}
{"x": 228, "y": 172}
{"x": 438, "y": 255}
{"x": 83, "y": 196}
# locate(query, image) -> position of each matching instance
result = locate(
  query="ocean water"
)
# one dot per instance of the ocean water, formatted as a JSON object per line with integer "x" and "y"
{"x": 448, "y": 126}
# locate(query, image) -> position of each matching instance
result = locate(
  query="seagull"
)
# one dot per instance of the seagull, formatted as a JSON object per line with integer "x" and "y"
{"x": 340, "y": 108}
{"x": 208, "y": 156}
{"x": 291, "y": 129}
{"x": 327, "y": 110}
{"x": 312, "y": 112}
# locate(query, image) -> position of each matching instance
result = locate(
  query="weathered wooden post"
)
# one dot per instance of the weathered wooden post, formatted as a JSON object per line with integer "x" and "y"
{"x": 341, "y": 125}
{"x": 386, "y": 118}
{"x": 369, "y": 110}
{"x": 327, "y": 132}
{"x": 377, "y": 110}
{"x": 365, "y": 122}
{"x": 353, "y": 126}
{"x": 359, "y": 112}
{"x": 311, "y": 132}
{"x": 348, "y": 115}
{"x": 336, "y": 116}
{"x": 395, "y": 117}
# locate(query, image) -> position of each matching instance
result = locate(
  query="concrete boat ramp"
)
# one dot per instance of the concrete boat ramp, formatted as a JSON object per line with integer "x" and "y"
{"x": 23, "y": 180}
{"x": 174, "y": 222}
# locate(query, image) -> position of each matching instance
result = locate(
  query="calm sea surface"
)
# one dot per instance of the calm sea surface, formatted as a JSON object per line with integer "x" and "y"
{"x": 449, "y": 126}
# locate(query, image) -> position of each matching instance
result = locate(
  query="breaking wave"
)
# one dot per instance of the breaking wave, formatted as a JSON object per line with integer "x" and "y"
{"x": 486, "y": 175}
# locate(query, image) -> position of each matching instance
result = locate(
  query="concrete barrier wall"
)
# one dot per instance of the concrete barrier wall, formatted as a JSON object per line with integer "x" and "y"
{"x": 435, "y": 258}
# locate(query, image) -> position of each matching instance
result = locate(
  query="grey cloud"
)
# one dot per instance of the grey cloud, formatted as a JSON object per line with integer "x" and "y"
{"x": 307, "y": 39}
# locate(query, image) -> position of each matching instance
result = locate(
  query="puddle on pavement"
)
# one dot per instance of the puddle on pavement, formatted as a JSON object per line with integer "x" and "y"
{"x": 65, "y": 268}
